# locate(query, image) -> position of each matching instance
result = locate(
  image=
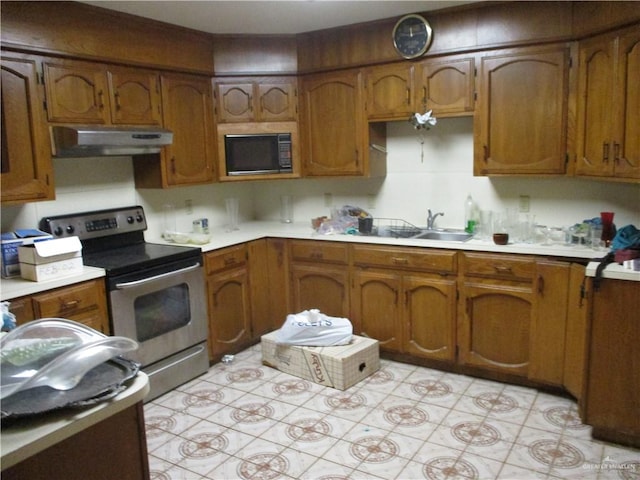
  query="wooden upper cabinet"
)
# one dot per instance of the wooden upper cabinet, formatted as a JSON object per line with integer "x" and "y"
{"x": 332, "y": 124}
{"x": 608, "y": 133}
{"x": 135, "y": 97}
{"x": 269, "y": 100}
{"x": 27, "y": 170}
{"x": 82, "y": 92}
{"x": 76, "y": 92}
{"x": 520, "y": 125}
{"x": 188, "y": 113}
{"x": 447, "y": 86}
{"x": 390, "y": 91}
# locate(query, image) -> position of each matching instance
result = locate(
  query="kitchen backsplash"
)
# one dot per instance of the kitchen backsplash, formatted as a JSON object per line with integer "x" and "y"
{"x": 435, "y": 174}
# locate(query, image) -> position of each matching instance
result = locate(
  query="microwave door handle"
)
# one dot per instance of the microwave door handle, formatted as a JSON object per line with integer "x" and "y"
{"x": 137, "y": 283}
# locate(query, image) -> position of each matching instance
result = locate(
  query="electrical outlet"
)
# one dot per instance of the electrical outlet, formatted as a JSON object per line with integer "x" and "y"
{"x": 189, "y": 206}
{"x": 523, "y": 206}
{"x": 328, "y": 200}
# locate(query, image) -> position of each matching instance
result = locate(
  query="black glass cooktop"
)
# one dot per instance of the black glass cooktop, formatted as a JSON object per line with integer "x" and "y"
{"x": 124, "y": 259}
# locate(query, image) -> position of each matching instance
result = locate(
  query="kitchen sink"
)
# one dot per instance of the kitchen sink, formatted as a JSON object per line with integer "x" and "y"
{"x": 445, "y": 235}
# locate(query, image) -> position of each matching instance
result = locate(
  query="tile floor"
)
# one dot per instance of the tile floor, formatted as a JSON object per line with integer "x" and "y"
{"x": 247, "y": 421}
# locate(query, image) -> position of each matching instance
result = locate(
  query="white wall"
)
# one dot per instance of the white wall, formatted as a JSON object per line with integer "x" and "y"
{"x": 440, "y": 180}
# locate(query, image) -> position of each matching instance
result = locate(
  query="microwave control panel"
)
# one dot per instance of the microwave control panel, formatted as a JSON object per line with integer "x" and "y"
{"x": 284, "y": 154}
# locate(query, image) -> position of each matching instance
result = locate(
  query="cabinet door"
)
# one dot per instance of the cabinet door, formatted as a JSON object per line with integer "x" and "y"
{"x": 390, "y": 92}
{"x": 277, "y": 102}
{"x": 323, "y": 287}
{"x": 547, "y": 349}
{"x": 235, "y": 102}
{"x": 626, "y": 146}
{"x": 187, "y": 112}
{"x": 595, "y": 112}
{"x": 229, "y": 312}
{"x": 377, "y": 308}
{"x": 447, "y": 86}
{"x": 135, "y": 97}
{"x": 333, "y": 124}
{"x": 76, "y": 92}
{"x": 608, "y": 133}
{"x": 575, "y": 354}
{"x": 430, "y": 317}
{"x": 495, "y": 326}
{"x": 27, "y": 171}
{"x": 613, "y": 382}
{"x": 521, "y": 115}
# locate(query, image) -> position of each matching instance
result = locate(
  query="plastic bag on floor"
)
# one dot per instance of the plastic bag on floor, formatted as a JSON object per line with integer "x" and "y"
{"x": 312, "y": 328}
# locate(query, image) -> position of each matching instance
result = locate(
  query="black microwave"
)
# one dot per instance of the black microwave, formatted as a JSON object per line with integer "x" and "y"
{"x": 255, "y": 154}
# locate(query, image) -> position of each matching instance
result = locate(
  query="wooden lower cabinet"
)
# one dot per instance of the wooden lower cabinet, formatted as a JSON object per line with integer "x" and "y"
{"x": 114, "y": 448}
{"x": 320, "y": 277}
{"x": 377, "y": 309}
{"x": 513, "y": 313}
{"x": 406, "y": 299}
{"x": 612, "y": 395}
{"x": 84, "y": 302}
{"x": 229, "y": 300}
{"x": 575, "y": 347}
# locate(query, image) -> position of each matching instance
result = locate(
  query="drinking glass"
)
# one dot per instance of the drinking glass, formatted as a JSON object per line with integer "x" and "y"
{"x": 231, "y": 205}
{"x": 286, "y": 209}
{"x": 607, "y": 228}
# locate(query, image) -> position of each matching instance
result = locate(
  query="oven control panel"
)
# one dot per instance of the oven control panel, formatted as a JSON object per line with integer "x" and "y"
{"x": 96, "y": 224}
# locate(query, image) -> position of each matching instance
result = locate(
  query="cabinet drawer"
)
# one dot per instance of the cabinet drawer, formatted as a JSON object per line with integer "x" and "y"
{"x": 409, "y": 258}
{"x": 324, "y": 252}
{"x": 69, "y": 301}
{"x": 508, "y": 267}
{"x": 226, "y": 258}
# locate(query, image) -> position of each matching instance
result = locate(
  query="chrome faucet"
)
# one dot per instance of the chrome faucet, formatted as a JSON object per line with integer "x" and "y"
{"x": 432, "y": 218}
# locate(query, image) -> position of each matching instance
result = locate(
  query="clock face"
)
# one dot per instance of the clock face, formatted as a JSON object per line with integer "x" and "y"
{"x": 412, "y": 36}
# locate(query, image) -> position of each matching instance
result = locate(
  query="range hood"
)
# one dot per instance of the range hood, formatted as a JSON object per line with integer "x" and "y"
{"x": 100, "y": 141}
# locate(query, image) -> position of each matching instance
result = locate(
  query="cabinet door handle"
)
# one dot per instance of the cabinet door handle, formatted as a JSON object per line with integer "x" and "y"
{"x": 486, "y": 153}
{"x": 117, "y": 97}
{"x": 408, "y": 96}
{"x": 70, "y": 304}
{"x": 605, "y": 152}
{"x": 399, "y": 260}
{"x": 229, "y": 261}
{"x": 424, "y": 96}
{"x": 503, "y": 269}
{"x": 251, "y": 103}
{"x": 100, "y": 99}
{"x": 616, "y": 153}
{"x": 316, "y": 255}
{"x": 540, "y": 284}
{"x": 173, "y": 165}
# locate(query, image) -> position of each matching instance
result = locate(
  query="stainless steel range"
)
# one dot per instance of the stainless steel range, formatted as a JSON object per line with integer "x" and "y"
{"x": 156, "y": 292}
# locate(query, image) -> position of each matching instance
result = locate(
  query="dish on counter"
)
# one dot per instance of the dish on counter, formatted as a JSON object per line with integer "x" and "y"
{"x": 55, "y": 353}
{"x": 193, "y": 237}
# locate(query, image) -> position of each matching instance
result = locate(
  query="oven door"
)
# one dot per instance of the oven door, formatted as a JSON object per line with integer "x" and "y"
{"x": 163, "y": 309}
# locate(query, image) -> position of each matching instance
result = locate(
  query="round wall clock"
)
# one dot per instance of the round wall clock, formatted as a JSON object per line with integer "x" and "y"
{"x": 412, "y": 36}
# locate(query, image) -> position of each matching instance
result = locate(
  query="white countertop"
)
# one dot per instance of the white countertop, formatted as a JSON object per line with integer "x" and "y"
{"x": 30, "y": 436}
{"x": 254, "y": 230}
{"x": 613, "y": 271}
{"x": 19, "y": 287}
{"x": 248, "y": 231}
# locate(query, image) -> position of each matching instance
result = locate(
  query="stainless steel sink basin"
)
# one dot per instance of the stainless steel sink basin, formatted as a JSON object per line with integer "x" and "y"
{"x": 445, "y": 235}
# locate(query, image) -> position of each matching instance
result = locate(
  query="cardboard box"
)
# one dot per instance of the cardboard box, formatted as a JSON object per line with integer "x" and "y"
{"x": 52, "y": 259}
{"x": 337, "y": 367}
{"x": 10, "y": 243}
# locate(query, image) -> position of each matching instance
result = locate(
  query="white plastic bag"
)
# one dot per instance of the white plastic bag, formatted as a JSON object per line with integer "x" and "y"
{"x": 315, "y": 329}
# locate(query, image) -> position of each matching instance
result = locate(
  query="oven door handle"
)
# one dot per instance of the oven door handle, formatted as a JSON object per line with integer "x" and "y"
{"x": 137, "y": 283}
